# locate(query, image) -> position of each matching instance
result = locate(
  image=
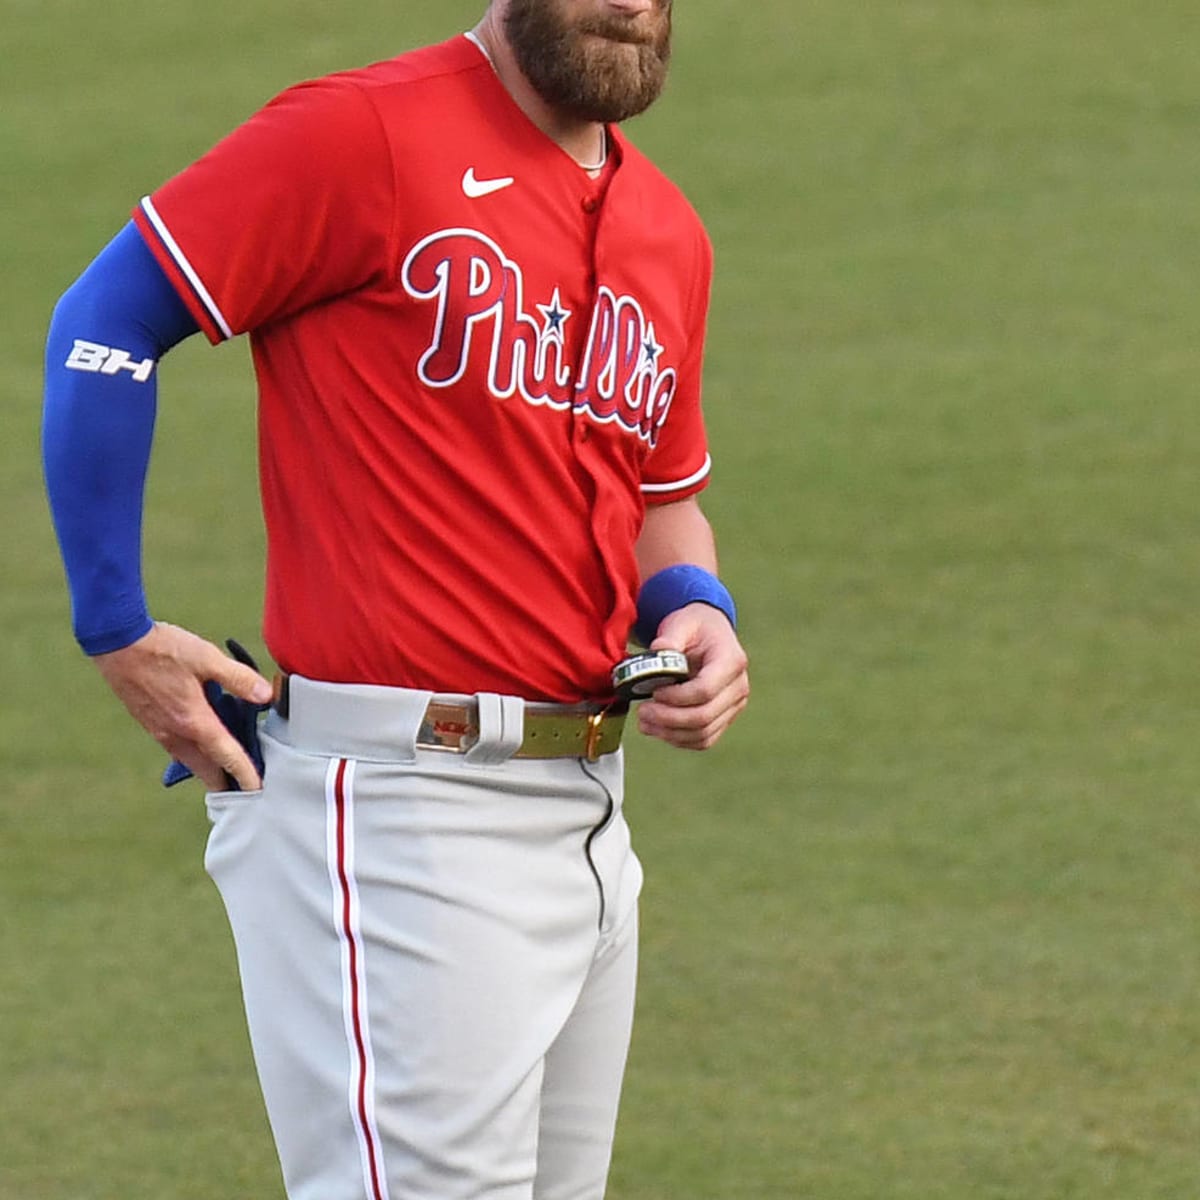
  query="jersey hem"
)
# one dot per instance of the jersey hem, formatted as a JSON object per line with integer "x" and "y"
{"x": 679, "y": 489}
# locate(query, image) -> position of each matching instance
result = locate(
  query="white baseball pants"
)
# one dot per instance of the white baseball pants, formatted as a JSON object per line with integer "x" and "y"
{"x": 437, "y": 953}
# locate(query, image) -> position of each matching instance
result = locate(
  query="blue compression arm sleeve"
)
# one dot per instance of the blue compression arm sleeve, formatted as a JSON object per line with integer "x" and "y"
{"x": 106, "y": 336}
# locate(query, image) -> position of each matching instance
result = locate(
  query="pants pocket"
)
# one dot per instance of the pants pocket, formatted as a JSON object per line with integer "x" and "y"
{"x": 232, "y": 816}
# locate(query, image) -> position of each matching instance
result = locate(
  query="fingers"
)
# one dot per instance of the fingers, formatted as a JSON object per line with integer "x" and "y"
{"x": 233, "y": 676}
{"x": 693, "y": 715}
{"x": 242, "y": 681}
{"x": 694, "y": 726}
{"x": 160, "y": 680}
{"x": 695, "y": 729}
{"x": 198, "y": 738}
{"x": 215, "y": 765}
{"x": 202, "y": 736}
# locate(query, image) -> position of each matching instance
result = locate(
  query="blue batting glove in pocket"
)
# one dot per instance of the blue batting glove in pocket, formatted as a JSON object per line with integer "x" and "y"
{"x": 239, "y": 716}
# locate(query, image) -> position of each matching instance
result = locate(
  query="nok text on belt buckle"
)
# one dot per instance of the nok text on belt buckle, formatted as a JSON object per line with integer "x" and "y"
{"x": 447, "y": 727}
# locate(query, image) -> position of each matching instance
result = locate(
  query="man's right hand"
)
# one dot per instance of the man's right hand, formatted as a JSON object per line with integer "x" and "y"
{"x": 160, "y": 679}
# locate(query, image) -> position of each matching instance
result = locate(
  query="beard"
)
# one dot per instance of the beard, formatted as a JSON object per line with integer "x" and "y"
{"x": 596, "y": 68}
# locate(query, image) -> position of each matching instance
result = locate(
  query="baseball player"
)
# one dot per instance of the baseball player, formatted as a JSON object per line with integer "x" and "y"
{"x": 477, "y": 316}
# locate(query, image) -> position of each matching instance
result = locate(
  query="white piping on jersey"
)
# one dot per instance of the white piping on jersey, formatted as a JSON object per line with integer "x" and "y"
{"x": 681, "y": 483}
{"x": 186, "y": 267}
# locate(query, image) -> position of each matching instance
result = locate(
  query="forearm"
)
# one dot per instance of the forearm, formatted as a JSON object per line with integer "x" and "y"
{"x": 675, "y": 533}
{"x": 106, "y": 336}
{"x": 677, "y": 561}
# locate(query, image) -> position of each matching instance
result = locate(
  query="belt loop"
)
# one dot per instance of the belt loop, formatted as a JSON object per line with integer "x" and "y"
{"x": 501, "y": 729}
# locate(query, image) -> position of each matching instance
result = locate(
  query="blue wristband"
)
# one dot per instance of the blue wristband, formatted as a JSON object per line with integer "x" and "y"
{"x": 674, "y": 587}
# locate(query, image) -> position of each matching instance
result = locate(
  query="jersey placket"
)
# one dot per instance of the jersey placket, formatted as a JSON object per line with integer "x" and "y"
{"x": 595, "y": 202}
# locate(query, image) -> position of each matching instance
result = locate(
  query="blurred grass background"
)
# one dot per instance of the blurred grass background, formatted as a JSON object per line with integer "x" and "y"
{"x": 925, "y": 925}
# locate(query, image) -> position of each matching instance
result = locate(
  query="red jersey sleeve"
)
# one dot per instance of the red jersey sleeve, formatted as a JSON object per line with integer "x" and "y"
{"x": 294, "y": 207}
{"x": 679, "y": 465}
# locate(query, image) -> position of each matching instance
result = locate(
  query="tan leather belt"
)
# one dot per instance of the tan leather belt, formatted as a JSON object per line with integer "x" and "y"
{"x": 567, "y": 733}
{"x": 551, "y": 731}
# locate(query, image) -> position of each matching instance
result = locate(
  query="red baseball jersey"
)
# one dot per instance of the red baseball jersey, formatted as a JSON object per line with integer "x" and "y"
{"x": 476, "y": 366}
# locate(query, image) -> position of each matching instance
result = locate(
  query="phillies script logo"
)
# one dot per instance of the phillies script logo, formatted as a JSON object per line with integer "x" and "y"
{"x": 481, "y": 308}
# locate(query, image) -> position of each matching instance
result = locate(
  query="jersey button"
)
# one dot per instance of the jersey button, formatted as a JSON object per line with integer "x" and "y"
{"x": 590, "y": 204}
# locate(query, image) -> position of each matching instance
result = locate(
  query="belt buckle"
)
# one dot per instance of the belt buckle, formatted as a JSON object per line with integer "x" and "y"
{"x": 447, "y": 727}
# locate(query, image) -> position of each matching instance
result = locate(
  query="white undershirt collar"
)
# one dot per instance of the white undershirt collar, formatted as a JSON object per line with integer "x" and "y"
{"x": 472, "y": 36}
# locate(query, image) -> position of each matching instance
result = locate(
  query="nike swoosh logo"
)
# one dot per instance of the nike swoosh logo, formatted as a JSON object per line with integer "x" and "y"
{"x": 475, "y": 188}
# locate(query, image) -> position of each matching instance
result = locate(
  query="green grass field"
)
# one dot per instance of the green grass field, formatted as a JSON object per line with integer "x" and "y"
{"x": 925, "y": 926}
